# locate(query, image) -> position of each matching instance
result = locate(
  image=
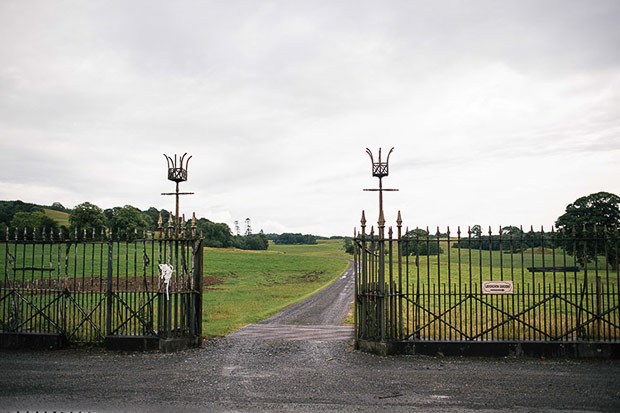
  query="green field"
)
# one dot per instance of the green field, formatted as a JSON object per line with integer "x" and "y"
{"x": 323, "y": 248}
{"x": 462, "y": 266}
{"x": 252, "y": 286}
{"x": 61, "y": 217}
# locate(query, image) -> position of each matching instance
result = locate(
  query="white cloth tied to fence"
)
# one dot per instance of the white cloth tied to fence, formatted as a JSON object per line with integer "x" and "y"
{"x": 165, "y": 273}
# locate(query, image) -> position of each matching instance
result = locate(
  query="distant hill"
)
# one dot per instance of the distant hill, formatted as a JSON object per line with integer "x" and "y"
{"x": 55, "y": 211}
{"x": 59, "y": 216}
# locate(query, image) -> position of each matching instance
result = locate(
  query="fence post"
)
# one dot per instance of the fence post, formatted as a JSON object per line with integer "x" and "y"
{"x": 109, "y": 287}
{"x": 197, "y": 308}
{"x": 355, "y": 285}
{"x": 364, "y": 281}
{"x": 399, "y": 226}
{"x": 599, "y": 305}
{"x": 381, "y": 299}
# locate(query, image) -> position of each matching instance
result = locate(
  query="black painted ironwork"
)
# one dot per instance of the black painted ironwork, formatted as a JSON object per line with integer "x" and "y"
{"x": 514, "y": 285}
{"x": 380, "y": 170}
{"x": 106, "y": 285}
{"x": 177, "y": 172}
{"x": 435, "y": 287}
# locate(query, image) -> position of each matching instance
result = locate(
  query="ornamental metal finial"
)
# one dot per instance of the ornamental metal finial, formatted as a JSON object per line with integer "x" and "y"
{"x": 380, "y": 169}
{"x": 177, "y": 172}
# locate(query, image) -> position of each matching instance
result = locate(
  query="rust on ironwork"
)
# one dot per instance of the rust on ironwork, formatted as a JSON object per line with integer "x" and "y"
{"x": 177, "y": 172}
{"x": 380, "y": 170}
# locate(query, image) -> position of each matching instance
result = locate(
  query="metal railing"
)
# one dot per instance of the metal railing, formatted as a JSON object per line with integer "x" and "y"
{"x": 88, "y": 287}
{"x": 515, "y": 284}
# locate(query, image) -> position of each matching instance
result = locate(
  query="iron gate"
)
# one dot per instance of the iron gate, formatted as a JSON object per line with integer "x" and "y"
{"x": 87, "y": 288}
{"x": 517, "y": 285}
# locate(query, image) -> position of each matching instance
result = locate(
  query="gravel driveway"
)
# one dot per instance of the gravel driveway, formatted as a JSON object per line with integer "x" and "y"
{"x": 303, "y": 360}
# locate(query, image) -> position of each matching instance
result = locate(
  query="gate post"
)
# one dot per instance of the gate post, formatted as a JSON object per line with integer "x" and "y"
{"x": 197, "y": 292}
{"x": 399, "y": 226}
{"x": 381, "y": 301}
{"x": 363, "y": 282}
{"x": 355, "y": 283}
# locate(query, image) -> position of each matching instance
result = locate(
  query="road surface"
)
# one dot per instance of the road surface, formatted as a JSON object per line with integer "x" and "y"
{"x": 300, "y": 360}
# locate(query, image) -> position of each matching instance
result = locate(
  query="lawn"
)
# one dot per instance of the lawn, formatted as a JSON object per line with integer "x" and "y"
{"x": 323, "y": 248}
{"x": 246, "y": 287}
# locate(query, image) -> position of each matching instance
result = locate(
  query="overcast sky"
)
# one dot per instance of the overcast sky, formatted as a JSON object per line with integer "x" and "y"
{"x": 500, "y": 112}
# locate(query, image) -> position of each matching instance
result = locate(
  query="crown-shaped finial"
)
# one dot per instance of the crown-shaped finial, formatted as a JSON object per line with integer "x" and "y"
{"x": 177, "y": 172}
{"x": 379, "y": 168}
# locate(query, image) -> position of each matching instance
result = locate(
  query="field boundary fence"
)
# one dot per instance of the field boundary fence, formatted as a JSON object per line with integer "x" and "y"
{"x": 90, "y": 288}
{"x": 513, "y": 285}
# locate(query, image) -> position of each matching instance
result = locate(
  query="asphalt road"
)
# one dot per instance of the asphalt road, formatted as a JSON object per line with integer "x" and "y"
{"x": 309, "y": 371}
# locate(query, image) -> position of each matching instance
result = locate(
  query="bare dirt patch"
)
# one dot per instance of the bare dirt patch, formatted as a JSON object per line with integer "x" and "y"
{"x": 309, "y": 277}
{"x": 100, "y": 284}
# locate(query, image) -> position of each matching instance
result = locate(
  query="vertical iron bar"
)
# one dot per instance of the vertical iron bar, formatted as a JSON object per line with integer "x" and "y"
{"x": 486, "y": 307}
{"x": 390, "y": 301}
{"x": 450, "y": 321}
{"x": 554, "y": 308}
{"x": 512, "y": 278}
{"x": 460, "y": 293}
{"x": 567, "y": 320}
{"x": 521, "y": 299}
{"x": 409, "y": 318}
{"x": 546, "y": 320}
{"x": 399, "y": 225}
{"x": 471, "y": 289}
{"x": 109, "y": 286}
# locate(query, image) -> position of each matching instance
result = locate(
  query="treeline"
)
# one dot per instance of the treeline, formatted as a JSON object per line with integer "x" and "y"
{"x": 288, "y": 238}
{"x": 23, "y": 215}
{"x": 127, "y": 220}
{"x": 417, "y": 242}
{"x": 511, "y": 239}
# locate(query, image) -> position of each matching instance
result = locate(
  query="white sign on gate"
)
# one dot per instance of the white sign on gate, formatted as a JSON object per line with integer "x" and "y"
{"x": 497, "y": 287}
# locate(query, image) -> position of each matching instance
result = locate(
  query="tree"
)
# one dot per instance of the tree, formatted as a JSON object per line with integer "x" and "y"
{"x": 126, "y": 220}
{"x": 110, "y": 213}
{"x": 420, "y": 242}
{"x": 476, "y": 231}
{"x": 9, "y": 208}
{"x": 288, "y": 238}
{"x": 217, "y": 235}
{"x": 33, "y": 220}
{"x": 58, "y": 207}
{"x": 595, "y": 220}
{"x": 511, "y": 230}
{"x": 348, "y": 246}
{"x": 251, "y": 242}
{"x": 87, "y": 216}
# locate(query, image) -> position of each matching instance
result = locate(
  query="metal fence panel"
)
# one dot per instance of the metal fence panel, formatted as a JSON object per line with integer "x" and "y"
{"x": 510, "y": 285}
{"x": 87, "y": 289}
